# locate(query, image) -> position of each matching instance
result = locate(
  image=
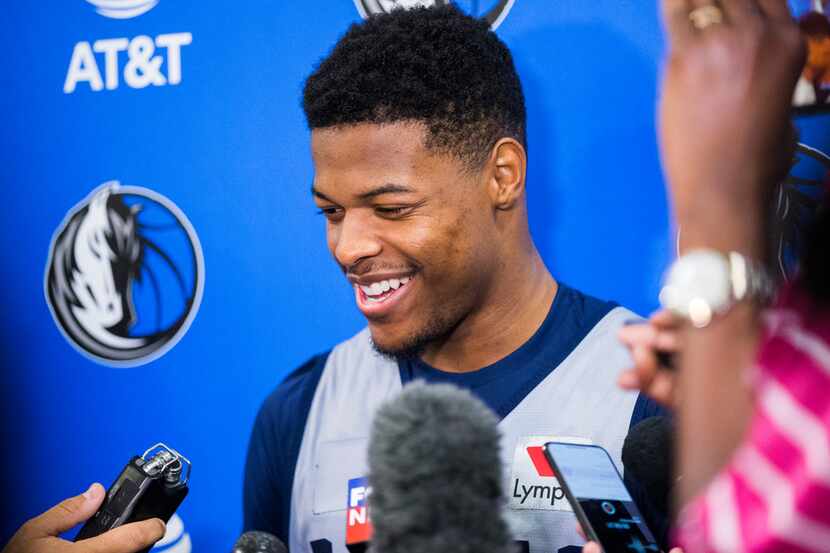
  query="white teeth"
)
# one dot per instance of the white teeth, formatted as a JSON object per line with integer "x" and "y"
{"x": 378, "y": 288}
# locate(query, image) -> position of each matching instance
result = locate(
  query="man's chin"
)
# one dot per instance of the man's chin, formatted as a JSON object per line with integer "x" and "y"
{"x": 411, "y": 342}
{"x": 401, "y": 348}
{"x": 397, "y": 351}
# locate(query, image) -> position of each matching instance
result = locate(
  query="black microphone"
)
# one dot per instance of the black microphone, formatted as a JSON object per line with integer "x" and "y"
{"x": 435, "y": 471}
{"x": 258, "y": 542}
{"x": 648, "y": 459}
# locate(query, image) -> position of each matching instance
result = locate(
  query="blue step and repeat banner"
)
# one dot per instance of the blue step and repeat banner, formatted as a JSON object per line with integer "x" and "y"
{"x": 164, "y": 266}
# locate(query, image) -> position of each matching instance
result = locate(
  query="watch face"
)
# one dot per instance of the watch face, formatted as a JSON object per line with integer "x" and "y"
{"x": 697, "y": 286}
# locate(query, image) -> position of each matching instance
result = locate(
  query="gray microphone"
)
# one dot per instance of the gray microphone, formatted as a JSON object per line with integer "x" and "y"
{"x": 258, "y": 542}
{"x": 435, "y": 471}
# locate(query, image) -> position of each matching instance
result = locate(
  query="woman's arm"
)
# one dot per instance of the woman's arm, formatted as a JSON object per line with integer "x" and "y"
{"x": 724, "y": 129}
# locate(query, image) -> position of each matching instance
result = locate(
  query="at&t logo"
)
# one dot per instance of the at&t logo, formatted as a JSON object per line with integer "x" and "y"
{"x": 123, "y": 9}
{"x": 125, "y": 275}
{"x": 175, "y": 539}
{"x": 143, "y": 67}
{"x": 493, "y": 11}
{"x": 138, "y": 62}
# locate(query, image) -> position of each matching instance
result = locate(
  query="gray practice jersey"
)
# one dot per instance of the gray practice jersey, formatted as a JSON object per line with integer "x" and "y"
{"x": 575, "y": 398}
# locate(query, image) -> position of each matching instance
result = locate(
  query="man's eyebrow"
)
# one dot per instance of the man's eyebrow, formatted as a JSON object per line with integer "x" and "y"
{"x": 388, "y": 188}
{"x": 317, "y": 194}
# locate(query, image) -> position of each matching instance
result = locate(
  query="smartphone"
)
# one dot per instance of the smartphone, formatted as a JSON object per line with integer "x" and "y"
{"x": 599, "y": 498}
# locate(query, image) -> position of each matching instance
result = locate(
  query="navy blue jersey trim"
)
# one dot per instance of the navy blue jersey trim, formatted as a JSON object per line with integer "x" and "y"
{"x": 504, "y": 384}
{"x": 645, "y": 408}
{"x": 274, "y": 448}
{"x": 571, "y": 325}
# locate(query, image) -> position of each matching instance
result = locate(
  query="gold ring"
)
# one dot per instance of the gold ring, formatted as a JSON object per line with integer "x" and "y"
{"x": 706, "y": 16}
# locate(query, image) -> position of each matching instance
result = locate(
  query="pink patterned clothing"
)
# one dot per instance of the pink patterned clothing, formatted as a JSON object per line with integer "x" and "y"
{"x": 775, "y": 493}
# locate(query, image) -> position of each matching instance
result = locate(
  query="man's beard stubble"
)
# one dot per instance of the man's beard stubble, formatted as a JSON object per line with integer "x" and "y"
{"x": 437, "y": 329}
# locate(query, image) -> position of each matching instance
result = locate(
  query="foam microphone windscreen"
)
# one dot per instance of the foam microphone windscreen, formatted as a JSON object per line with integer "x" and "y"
{"x": 258, "y": 542}
{"x": 436, "y": 474}
{"x": 648, "y": 456}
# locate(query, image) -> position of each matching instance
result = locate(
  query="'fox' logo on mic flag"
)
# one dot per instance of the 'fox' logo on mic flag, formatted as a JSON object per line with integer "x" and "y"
{"x": 358, "y": 523}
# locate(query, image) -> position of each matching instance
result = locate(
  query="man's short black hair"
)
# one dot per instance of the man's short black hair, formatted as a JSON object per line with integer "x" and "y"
{"x": 437, "y": 66}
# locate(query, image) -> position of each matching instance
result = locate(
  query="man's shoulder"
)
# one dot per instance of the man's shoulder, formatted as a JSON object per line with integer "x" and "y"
{"x": 590, "y": 313}
{"x": 609, "y": 317}
{"x": 292, "y": 397}
{"x": 274, "y": 445}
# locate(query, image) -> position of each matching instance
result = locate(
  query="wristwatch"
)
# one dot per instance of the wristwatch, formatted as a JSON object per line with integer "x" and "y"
{"x": 703, "y": 283}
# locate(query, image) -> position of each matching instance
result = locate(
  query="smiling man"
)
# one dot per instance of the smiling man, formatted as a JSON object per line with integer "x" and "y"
{"x": 418, "y": 138}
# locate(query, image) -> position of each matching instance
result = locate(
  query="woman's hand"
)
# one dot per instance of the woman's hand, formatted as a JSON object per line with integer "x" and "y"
{"x": 653, "y": 345}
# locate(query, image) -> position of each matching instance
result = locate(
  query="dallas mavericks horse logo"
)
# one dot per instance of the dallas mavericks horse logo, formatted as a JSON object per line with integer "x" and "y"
{"x": 493, "y": 11}
{"x": 125, "y": 275}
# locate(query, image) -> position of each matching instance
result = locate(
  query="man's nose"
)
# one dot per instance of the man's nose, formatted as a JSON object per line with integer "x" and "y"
{"x": 354, "y": 239}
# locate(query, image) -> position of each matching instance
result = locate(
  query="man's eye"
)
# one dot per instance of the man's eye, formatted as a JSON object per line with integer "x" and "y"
{"x": 331, "y": 213}
{"x": 395, "y": 211}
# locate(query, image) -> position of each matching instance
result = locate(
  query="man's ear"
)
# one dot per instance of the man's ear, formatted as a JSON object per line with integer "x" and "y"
{"x": 506, "y": 175}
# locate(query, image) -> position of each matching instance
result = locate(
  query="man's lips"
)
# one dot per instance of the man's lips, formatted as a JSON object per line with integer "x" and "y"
{"x": 378, "y": 297}
{"x": 371, "y": 278}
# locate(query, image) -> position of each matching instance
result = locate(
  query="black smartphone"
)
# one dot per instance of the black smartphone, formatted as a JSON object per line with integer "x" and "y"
{"x": 599, "y": 498}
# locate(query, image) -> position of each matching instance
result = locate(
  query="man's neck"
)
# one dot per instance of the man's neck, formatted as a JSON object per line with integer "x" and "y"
{"x": 517, "y": 308}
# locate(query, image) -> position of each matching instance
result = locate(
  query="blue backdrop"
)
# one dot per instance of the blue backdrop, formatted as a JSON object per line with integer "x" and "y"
{"x": 199, "y": 102}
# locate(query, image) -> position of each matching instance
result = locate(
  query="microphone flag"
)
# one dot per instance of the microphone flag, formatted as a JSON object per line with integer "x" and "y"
{"x": 358, "y": 523}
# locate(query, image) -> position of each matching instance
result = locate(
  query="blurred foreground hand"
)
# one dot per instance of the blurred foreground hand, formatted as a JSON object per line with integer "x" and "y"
{"x": 652, "y": 343}
{"x": 40, "y": 534}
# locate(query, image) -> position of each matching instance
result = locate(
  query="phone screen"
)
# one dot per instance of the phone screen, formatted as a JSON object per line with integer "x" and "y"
{"x": 591, "y": 480}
